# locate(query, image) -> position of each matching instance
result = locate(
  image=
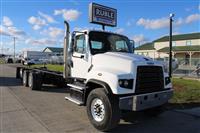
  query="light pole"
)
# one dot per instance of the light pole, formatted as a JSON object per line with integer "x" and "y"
{"x": 170, "y": 44}
{"x": 14, "y": 47}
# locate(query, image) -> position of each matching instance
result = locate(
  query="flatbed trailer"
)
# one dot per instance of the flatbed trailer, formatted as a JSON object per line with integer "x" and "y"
{"x": 35, "y": 77}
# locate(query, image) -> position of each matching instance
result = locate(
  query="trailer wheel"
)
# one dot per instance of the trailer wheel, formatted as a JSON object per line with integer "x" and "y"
{"x": 18, "y": 72}
{"x": 21, "y": 71}
{"x": 25, "y": 78}
{"x": 103, "y": 112}
{"x": 34, "y": 81}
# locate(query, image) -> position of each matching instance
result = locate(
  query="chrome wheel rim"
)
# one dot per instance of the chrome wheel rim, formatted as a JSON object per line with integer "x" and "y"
{"x": 30, "y": 80}
{"x": 21, "y": 74}
{"x": 24, "y": 78}
{"x": 97, "y": 109}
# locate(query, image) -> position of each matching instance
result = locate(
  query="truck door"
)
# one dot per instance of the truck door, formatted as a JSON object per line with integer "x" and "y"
{"x": 80, "y": 59}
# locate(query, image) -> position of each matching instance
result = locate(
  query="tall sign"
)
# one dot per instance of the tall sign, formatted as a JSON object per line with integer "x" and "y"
{"x": 102, "y": 15}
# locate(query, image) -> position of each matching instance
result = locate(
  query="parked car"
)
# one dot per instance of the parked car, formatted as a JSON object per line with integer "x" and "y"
{"x": 56, "y": 60}
{"x": 9, "y": 59}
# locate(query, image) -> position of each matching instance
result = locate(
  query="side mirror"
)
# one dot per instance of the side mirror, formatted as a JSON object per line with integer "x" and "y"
{"x": 132, "y": 42}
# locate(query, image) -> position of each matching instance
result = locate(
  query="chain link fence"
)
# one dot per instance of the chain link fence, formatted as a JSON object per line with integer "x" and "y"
{"x": 187, "y": 67}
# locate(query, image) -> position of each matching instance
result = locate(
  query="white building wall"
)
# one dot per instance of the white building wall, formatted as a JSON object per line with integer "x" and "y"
{"x": 160, "y": 45}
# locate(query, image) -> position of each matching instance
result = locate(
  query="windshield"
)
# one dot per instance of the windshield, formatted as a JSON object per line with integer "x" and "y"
{"x": 101, "y": 42}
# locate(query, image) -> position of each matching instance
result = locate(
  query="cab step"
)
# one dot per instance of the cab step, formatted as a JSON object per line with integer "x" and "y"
{"x": 74, "y": 100}
{"x": 77, "y": 87}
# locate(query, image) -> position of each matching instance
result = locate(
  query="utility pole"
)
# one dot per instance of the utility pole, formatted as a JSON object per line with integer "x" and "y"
{"x": 170, "y": 44}
{"x": 14, "y": 47}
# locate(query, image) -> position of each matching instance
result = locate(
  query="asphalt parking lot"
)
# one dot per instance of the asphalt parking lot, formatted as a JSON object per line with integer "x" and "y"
{"x": 23, "y": 110}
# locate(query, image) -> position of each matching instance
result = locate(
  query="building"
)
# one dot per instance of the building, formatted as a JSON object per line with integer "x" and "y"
{"x": 185, "y": 47}
{"x": 54, "y": 50}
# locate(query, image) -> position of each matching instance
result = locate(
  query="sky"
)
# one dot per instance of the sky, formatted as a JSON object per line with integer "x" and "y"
{"x": 37, "y": 24}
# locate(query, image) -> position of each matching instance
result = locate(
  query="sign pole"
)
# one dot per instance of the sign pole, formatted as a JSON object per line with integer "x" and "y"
{"x": 170, "y": 45}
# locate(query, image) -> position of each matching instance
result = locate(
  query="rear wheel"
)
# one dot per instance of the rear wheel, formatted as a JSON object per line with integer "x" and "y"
{"x": 21, "y": 73}
{"x": 103, "y": 112}
{"x": 18, "y": 72}
{"x": 25, "y": 78}
{"x": 34, "y": 81}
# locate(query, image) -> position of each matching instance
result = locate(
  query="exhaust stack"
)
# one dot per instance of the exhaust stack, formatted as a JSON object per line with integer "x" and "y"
{"x": 65, "y": 50}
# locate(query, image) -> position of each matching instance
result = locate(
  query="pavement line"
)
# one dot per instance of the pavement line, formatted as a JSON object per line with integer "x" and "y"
{"x": 12, "y": 111}
{"x": 29, "y": 111}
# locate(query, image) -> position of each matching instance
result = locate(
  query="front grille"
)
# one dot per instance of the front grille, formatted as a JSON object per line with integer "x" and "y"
{"x": 149, "y": 79}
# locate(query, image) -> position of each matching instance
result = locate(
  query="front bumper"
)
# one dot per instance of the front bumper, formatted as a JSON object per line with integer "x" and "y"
{"x": 145, "y": 101}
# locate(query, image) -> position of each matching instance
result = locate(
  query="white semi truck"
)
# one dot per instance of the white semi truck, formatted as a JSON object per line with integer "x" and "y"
{"x": 103, "y": 74}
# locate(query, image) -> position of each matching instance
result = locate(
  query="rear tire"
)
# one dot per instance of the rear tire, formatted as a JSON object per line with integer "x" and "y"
{"x": 18, "y": 72}
{"x": 25, "y": 78}
{"x": 35, "y": 82}
{"x": 103, "y": 111}
{"x": 21, "y": 71}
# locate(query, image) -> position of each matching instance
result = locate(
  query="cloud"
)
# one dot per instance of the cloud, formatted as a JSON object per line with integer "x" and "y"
{"x": 192, "y": 18}
{"x": 37, "y": 22}
{"x": 70, "y": 15}
{"x": 3, "y": 31}
{"x": 7, "y": 21}
{"x": 36, "y": 27}
{"x": 85, "y": 28}
{"x": 43, "y": 41}
{"x": 139, "y": 39}
{"x": 49, "y": 18}
{"x": 53, "y": 32}
{"x": 164, "y": 22}
{"x": 199, "y": 7}
{"x": 153, "y": 23}
{"x": 12, "y": 31}
{"x": 16, "y": 32}
{"x": 119, "y": 30}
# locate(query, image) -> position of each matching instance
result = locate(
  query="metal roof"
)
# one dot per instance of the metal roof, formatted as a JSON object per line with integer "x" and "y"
{"x": 146, "y": 46}
{"x": 181, "y": 48}
{"x": 54, "y": 49}
{"x": 188, "y": 36}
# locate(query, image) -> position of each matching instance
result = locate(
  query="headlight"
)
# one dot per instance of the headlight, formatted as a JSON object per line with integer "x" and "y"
{"x": 126, "y": 83}
{"x": 167, "y": 80}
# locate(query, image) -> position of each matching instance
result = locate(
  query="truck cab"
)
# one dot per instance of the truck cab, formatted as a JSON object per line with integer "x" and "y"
{"x": 108, "y": 77}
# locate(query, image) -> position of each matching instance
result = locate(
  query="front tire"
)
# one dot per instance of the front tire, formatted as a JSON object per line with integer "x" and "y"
{"x": 103, "y": 111}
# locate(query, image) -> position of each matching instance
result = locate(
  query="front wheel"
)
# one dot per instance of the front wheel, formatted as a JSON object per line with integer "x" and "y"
{"x": 103, "y": 112}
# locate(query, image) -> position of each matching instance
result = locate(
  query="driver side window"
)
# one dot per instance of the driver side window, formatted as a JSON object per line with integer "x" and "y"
{"x": 121, "y": 45}
{"x": 80, "y": 44}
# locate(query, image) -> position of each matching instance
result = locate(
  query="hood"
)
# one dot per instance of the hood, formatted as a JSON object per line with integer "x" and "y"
{"x": 117, "y": 61}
